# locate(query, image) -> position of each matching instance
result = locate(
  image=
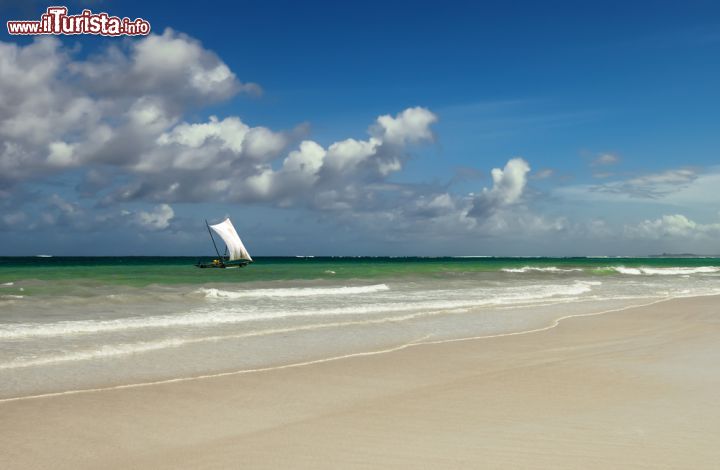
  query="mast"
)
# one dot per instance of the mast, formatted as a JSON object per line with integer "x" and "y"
{"x": 213, "y": 240}
{"x": 236, "y": 250}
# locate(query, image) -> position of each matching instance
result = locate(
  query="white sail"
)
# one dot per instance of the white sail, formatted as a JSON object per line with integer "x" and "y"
{"x": 236, "y": 249}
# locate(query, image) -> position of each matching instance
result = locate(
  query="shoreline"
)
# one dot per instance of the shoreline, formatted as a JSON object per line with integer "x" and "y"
{"x": 611, "y": 391}
{"x": 419, "y": 342}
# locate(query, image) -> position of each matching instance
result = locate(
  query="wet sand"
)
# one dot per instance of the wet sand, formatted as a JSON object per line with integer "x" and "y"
{"x": 638, "y": 388}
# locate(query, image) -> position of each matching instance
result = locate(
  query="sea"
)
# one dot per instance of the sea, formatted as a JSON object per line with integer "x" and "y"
{"x": 71, "y": 324}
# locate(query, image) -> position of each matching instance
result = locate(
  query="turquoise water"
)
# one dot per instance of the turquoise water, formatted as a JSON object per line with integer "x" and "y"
{"x": 77, "y": 323}
{"x": 143, "y": 271}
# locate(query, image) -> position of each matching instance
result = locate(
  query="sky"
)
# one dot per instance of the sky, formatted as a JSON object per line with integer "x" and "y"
{"x": 509, "y": 128}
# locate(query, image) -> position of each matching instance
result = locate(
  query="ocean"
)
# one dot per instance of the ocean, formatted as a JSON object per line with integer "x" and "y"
{"x": 69, "y": 324}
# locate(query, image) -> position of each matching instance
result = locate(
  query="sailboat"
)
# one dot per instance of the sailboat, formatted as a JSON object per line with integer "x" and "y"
{"x": 236, "y": 255}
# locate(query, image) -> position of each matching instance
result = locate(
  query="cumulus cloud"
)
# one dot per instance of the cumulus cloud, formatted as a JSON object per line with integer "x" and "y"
{"x": 119, "y": 116}
{"x": 37, "y": 110}
{"x": 118, "y": 122}
{"x": 58, "y": 113}
{"x": 332, "y": 177}
{"x": 228, "y": 161}
{"x": 672, "y": 226}
{"x": 172, "y": 66}
{"x": 508, "y": 186}
{"x": 409, "y": 126}
{"x": 123, "y": 109}
{"x": 217, "y": 145}
{"x": 246, "y": 164}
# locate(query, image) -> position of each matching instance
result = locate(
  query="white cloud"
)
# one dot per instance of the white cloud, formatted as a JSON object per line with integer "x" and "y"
{"x": 61, "y": 154}
{"x": 123, "y": 108}
{"x": 672, "y": 226}
{"x": 261, "y": 143}
{"x": 409, "y": 126}
{"x": 170, "y": 65}
{"x": 508, "y": 186}
{"x": 38, "y": 109}
{"x": 306, "y": 161}
{"x": 149, "y": 114}
{"x": 57, "y": 112}
{"x": 333, "y": 178}
{"x": 214, "y": 145}
{"x": 121, "y": 119}
{"x": 229, "y": 133}
{"x": 346, "y": 155}
{"x": 435, "y": 205}
{"x": 674, "y": 186}
{"x": 158, "y": 219}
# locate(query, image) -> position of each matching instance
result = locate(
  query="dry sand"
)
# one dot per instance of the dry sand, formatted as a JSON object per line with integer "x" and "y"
{"x": 632, "y": 389}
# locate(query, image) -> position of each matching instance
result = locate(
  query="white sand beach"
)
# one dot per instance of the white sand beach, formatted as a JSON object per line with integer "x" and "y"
{"x": 631, "y": 389}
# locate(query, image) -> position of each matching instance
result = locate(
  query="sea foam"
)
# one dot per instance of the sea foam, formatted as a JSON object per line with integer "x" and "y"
{"x": 548, "y": 269}
{"x": 231, "y": 314}
{"x": 671, "y": 271}
{"x": 105, "y": 351}
{"x": 293, "y": 292}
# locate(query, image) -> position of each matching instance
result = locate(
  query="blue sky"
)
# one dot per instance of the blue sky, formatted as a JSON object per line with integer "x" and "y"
{"x": 600, "y": 118}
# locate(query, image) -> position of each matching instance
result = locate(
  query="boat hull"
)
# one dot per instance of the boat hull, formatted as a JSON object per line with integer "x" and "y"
{"x": 241, "y": 264}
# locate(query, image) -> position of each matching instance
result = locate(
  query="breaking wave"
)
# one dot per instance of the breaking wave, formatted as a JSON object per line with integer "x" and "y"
{"x": 232, "y": 315}
{"x": 674, "y": 271}
{"x": 633, "y": 271}
{"x": 213, "y": 293}
{"x": 548, "y": 269}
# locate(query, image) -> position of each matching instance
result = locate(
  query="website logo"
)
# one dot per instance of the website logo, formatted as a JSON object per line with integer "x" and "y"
{"x": 57, "y": 21}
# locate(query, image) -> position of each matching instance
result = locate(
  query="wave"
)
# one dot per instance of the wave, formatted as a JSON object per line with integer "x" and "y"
{"x": 548, "y": 269}
{"x": 633, "y": 271}
{"x": 7, "y": 284}
{"x": 102, "y": 352}
{"x": 292, "y": 292}
{"x": 232, "y": 315}
{"x": 670, "y": 271}
{"x": 125, "y": 349}
{"x": 12, "y": 297}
